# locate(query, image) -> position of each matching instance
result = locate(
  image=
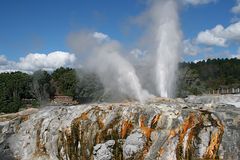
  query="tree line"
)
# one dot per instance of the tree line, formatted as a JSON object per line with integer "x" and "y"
{"x": 204, "y": 76}
{"x": 17, "y": 88}
{"x": 40, "y": 87}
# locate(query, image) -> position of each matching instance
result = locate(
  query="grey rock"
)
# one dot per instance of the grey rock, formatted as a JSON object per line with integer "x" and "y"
{"x": 104, "y": 151}
{"x": 133, "y": 145}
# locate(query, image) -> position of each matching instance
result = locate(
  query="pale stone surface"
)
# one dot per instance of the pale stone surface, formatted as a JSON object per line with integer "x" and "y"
{"x": 160, "y": 129}
{"x": 104, "y": 151}
{"x": 133, "y": 145}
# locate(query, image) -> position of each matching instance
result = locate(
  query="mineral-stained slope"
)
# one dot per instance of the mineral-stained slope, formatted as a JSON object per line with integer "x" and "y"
{"x": 161, "y": 129}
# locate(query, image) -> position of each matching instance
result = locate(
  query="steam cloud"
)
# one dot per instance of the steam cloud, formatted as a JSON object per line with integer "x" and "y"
{"x": 118, "y": 75}
{"x": 104, "y": 59}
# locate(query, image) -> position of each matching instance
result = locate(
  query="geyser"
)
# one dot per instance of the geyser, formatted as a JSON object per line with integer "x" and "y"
{"x": 166, "y": 48}
{"x": 116, "y": 73}
{"x": 168, "y": 45}
{"x": 103, "y": 57}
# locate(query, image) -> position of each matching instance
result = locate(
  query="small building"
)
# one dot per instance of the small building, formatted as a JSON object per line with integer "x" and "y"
{"x": 64, "y": 100}
{"x": 29, "y": 103}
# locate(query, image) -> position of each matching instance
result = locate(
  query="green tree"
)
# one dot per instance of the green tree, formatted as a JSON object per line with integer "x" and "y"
{"x": 41, "y": 88}
{"x": 89, "y": 88}
{"x": 212, "y": 74}
{"x": 14, "y": 87}
{"x": 65, "y": 81}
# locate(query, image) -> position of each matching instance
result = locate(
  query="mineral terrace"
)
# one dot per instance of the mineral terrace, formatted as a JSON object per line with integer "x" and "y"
{"x": 165, "y": 129}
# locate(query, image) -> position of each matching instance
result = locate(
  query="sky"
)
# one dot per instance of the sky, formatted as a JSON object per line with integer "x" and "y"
{"x": 34, "y": 34}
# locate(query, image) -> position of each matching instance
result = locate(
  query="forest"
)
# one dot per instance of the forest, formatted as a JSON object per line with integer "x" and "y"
{"x": 17, "y": 88}
{"x": 207, "y": 75}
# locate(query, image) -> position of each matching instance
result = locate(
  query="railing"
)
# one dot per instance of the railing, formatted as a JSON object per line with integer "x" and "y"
{"x": 225, "y": 91}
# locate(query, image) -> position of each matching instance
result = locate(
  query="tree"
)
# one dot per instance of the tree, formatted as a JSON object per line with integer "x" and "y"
{"x": 89, "y": 88}
{"x": 65, "y": 81}
{"x": 212, "y": 74}
{"x": 41, "y": 87}
{"x": 14, "y": 87}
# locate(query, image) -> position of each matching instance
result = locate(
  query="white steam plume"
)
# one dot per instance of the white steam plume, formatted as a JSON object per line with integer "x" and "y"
{"x": 104, "y": 59}
{"x": 168, "y": 40}
{"x": 116, "y": 73}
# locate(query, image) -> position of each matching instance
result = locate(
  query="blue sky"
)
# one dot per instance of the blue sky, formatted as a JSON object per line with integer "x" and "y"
{"x": 42, "y": 26}
{"x": 31, "y": 26}
{"x": 201, "y": 17}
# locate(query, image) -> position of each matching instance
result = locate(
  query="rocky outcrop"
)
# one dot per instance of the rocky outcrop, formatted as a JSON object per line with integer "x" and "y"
{"x": 160, "y": 129}
{"x": 9, "y": 125}
{"x": 104, "y": 151}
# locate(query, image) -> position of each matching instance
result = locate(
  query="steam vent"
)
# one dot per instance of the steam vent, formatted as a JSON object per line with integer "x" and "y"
{"x": 162, "y": 129}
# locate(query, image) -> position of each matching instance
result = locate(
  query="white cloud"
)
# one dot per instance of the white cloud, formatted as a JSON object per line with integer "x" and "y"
{"x": 198, "y": 60}
{"x": 198, "y": 2}
{"x": 208, "y": 38}
{"x": 100, "y": 36}
{"x": 235, "y": 56}
{"x": 137, "y": 53}
{"x": 235, "y": 19}
{"x": 49, "y": 62}
{"x": 190, "y": 48}
{"x": 236, "y": 8}
{"x": 3, "y": 60}
{"x": 219, "y": 36}
{"x": 36, "y": 61}
{"x": 232, "y": 32}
